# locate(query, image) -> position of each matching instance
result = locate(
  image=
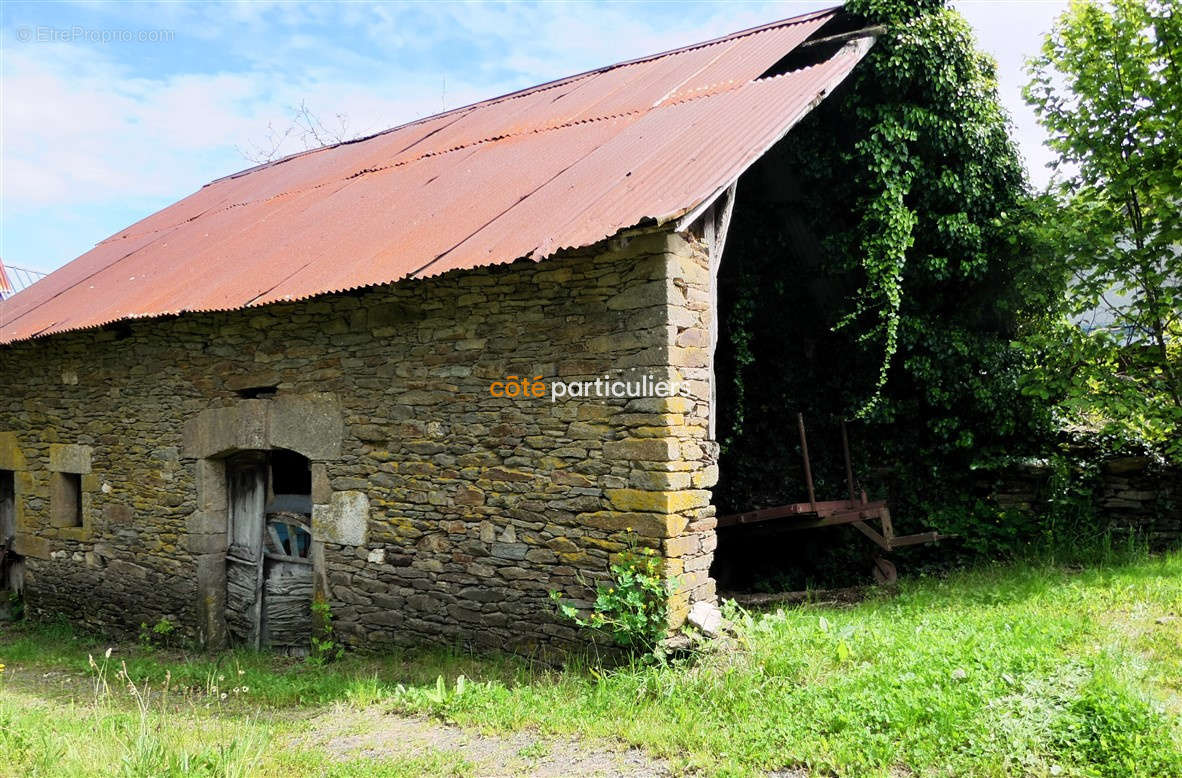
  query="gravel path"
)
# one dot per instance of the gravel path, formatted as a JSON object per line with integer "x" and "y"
{"x": 352, "y": 734}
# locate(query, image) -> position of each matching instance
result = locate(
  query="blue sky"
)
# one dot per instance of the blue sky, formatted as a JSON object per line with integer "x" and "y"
{"x": 113, "y": 110}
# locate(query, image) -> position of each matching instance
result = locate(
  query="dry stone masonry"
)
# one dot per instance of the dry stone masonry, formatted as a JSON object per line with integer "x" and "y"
{"x": 439, "y": 511}
{"x": 1132, "y": 494}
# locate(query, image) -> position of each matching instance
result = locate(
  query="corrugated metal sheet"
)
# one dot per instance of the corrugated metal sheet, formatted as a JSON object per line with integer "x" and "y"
{"x": 561, "y": 165}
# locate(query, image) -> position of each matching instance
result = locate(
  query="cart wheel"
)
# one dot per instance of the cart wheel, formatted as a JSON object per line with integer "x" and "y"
{"x": 884, "y": 571}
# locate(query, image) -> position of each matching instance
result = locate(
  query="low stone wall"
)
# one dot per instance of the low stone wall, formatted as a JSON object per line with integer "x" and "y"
{"x": 442, "y": 512}
{"x": 1131, "y": 494}
{"x": 1144, "y": 497}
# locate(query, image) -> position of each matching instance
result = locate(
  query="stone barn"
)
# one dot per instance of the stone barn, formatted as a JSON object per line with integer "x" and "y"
{"x": 428, "y": 376}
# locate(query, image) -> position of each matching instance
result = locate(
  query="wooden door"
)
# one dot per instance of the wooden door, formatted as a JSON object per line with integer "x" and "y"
{"x": 269, "y": 581}
{"x": 11, "y": 566}
{"x": 244, "y": 558}
{"x": 287, "y": 582}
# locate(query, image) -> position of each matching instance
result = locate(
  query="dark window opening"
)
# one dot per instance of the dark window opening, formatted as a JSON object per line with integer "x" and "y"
{"x": 291, "y": 473}
{"x": 66, "y": 500}
{"x": 257, "y": 392}
{"x": 122, "y": 330}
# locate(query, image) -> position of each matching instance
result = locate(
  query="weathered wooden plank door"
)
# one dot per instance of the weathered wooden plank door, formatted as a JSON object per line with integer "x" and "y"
{"x": 288, "y": 582}
{"x": 11, "y": 566}
{"x": 269, "y": 576}
{"x": 244, "y": 558}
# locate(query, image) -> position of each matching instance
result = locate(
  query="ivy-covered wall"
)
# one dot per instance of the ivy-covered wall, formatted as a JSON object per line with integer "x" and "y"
{"x": 874, "y": 273}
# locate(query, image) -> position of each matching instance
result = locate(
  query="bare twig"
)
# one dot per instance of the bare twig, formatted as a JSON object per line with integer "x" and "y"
{"x": 306, "y": 127}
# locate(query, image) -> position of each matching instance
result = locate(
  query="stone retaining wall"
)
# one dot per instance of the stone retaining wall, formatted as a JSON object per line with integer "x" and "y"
{"x": 441, "y": 512}
{"x": 1131, "y": 494}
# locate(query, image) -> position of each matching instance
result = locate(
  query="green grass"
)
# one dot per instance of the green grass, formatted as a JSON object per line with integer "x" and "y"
{"x": 40, "y": 738}
{"x": 1008, "y": 670}
{"x": 995, "y": 672}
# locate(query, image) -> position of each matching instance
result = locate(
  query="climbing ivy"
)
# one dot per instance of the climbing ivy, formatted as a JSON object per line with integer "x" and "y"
{"x": 914, "y": 191}
{"x": 937, "y": 170}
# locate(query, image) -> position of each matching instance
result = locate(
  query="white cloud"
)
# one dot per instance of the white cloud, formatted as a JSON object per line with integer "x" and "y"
{"x": 81, "y": 132}
{"x": 1013, "y": 32}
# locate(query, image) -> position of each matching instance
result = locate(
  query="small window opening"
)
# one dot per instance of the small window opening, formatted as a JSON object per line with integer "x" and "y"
{"x": 257, "y": 392}
{"x": 291, "y": 473}
{"x": 66, "y": 500}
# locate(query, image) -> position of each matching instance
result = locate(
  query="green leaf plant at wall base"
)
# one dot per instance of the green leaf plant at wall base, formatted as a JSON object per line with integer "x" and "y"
{"x": 633, "y": 607}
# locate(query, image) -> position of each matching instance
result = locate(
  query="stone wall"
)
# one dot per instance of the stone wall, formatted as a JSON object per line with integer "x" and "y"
{"x": 1131, "y": 493}
{"x": 442, "y": 512}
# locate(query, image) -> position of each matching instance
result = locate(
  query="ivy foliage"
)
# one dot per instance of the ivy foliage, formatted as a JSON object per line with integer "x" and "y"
{"x": 888, "y": 284}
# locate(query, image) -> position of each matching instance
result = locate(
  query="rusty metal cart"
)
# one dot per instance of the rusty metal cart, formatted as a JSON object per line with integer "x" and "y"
{"x": 856, "y": 511}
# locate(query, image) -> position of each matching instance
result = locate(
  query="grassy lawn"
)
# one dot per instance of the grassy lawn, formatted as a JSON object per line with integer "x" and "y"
{"x": 1014, "y": 670}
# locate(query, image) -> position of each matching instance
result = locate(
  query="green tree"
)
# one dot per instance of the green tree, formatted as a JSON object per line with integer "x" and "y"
{"x": 1108, "y": 89}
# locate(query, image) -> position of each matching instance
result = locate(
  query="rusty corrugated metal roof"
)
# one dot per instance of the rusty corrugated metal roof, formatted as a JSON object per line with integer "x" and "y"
{"x": 561, "y": 165}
